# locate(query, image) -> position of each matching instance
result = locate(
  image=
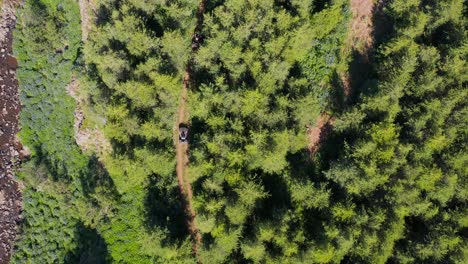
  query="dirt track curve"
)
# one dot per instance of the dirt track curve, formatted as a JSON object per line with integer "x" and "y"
{"x": 11, "y": 150}
{"x": 182, "y": 149}
{"x": 361, "y": 40}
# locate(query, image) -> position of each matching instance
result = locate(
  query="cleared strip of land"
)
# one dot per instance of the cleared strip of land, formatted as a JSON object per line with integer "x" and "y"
{"x": 182, "y": 149}
{"x": 361, "y": 40}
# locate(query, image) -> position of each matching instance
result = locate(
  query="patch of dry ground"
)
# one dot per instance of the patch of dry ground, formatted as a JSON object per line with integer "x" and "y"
{"x": 317, "y": 134}
{"x": 362, "y": 27}
{"x": 86, "y": 6}
{"x": 182, "y": 165}
{"x": 89, "y": 139}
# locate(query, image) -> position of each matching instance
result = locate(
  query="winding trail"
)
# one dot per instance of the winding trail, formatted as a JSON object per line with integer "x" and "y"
{"x": 361, "y": 41}
{"x": 182, "y": 149}
{"x": 11, "y": 150}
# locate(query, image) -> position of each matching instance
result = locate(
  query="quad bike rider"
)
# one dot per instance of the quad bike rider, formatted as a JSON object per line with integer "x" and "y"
{"x": 197, "y": 40}
{"x": 183, "y": 133}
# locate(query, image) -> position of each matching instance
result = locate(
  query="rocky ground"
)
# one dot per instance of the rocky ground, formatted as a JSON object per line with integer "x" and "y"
{"x": 11, "y": 151}
{"x": 88, "y": 138}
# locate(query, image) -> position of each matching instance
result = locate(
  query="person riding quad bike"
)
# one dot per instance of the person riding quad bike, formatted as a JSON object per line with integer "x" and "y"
{"x": 183, "y": 133}
{"x": 197, "y": 39}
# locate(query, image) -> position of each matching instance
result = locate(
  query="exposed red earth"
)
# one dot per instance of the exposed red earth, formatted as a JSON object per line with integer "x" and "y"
{"x": 182, "y": 148}
{"x": 317, "y": 134}
{"x": 11, "y": 150}
{"x": 360, "y": 37}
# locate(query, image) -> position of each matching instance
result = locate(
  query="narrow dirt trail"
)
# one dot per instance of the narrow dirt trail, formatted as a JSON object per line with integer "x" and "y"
{"x": 11, "y": 150}
{"x": 360, "y": 40}
{"x": 182, "y": 164}
{"x": 182, "y": 149}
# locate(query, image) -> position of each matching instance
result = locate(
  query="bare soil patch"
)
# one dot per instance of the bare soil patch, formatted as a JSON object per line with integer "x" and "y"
{"x": 182, "y": 150}
{"x": 318, "y": 133}
{"x": 86, "y": 6}
{"x": 362, "y": 26}
{"x": 89, "y": 139}
{"x": 360, "y": 40}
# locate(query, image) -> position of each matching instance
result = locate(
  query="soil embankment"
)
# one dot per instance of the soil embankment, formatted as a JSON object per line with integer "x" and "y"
{"x": 11, "y": 150}
{"x": 182, "y": 149}
{"x": 360, "y": 42}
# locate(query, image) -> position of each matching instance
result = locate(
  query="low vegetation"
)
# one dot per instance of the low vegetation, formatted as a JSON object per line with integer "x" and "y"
{"x": 47, "y": 43}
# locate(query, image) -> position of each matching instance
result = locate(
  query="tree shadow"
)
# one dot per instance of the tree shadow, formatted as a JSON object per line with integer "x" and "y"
{"x": 445, "y": 37}
{"x": 278, "y": 201}
{"x": 213, "y": 4}
{"x": 320, "y": 5}
{"x": 199, "y": 75}
{"x": 384, "y": 24}
{"x": 56, "y": 168}
{"x": 301, "y": 165}
{"x": 96, "y": 179}
{"x": 165, "y": 208}
{"x": 316, "y": 7}
{"x": 314, "y": 224}
{"x": 152, "y": 24}
{"x": 337, "y": 95}
{"x": 288, "y": 6}
{"x": 361, "y": 71}
{"x": 91, "y": 248}
{"x": 103, "y": 15}
{"x": 197, "y": 128}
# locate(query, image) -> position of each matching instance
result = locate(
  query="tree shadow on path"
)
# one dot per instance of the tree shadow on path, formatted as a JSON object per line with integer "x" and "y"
{"x": 165, "y": 209}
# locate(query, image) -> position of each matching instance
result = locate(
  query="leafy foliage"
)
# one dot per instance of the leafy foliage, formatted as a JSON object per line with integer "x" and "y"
{"x": 47, "y": 40}
{"x": 265, "y": 72}
{"x": 138, "y": 75}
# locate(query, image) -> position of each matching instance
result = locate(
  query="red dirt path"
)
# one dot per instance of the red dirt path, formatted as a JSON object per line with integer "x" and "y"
{"x": 182, "y": 165}
{"x": 182, "y": 149}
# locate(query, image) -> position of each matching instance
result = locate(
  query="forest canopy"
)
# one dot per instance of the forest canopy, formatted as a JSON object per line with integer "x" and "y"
{"x": 386, "y": 182}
